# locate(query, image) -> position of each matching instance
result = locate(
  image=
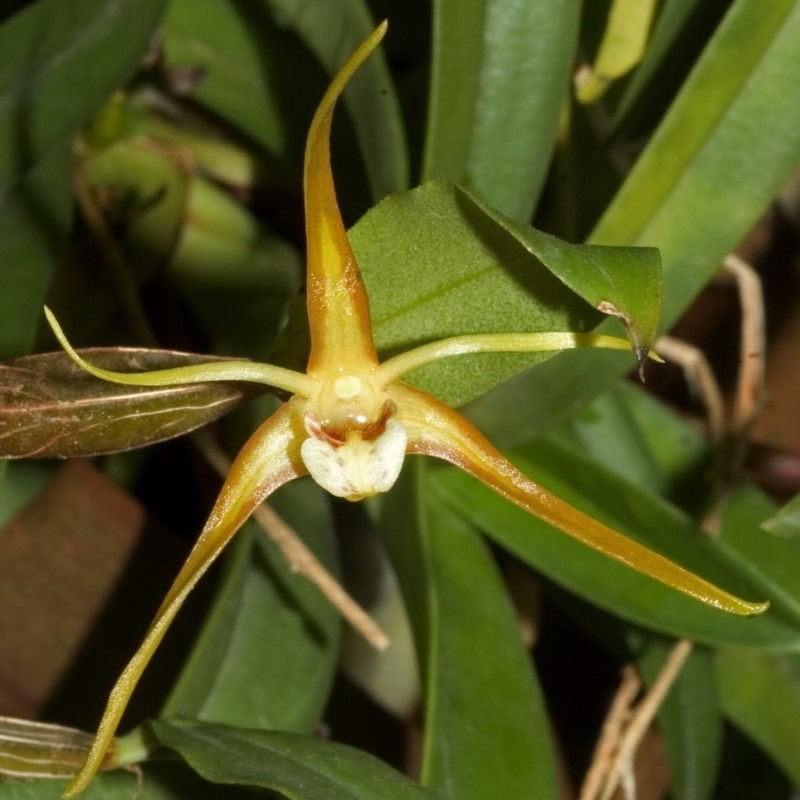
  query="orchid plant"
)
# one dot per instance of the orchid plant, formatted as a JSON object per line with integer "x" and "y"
{"x": 351, "y": 420}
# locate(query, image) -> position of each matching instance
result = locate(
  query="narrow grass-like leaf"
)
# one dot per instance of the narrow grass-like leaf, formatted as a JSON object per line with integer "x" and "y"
{"x": 760, "y": 694}
{"x": 51, "y": 408}
{"x": 743, "y": 85}
{"x": 608, "y": 431}
{"x": 624, "y": 41}
{"x": 689, "y": 720}
{"x": 787, "y": 521}
{"x": 500, "y": 78}
{"x": 298, "y": 767}
{"x": 486, "y": 730}
{"x": 666, "y": 42}
{"x": 680, "y": 458}
{"x": 48, "y": 48}
{"x": 34, "y": 219}
{"x": 332, "y": 32}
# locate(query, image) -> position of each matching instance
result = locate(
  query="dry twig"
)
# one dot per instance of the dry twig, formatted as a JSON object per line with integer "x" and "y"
{"x": 625, "y": 725}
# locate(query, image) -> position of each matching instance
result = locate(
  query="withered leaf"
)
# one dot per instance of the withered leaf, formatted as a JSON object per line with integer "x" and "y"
{"x": 51, "y": 408}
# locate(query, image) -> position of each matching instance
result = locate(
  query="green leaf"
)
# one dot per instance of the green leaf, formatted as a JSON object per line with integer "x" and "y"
{"x": 47, "y": 49}
{"x": 609, "y": 432}
{"x": 787, "y": 521}
{"x": 645, "y": 518}
{"x": 679, "y": 457}
{"x": 760, "y": 694}
{"x": 500, "y": 79}
{"x": 486, "y": 732}
{"x": 249, "y": 69}
{"x": 689, "y": 720}
{"x": 262, "y": 82}
{"x": 740, "y": 88}
{"x": 236, "y": 276}
{"x": 692, "y": 194}
{"x": 661, "y": 445}
{"x": 623, "y": 282}
{"x": 51, "y": 408}
{"x": 667, "y": 47}
{"x": 332, "y": 31}
{"x": 34, "y": 219}
{"x": 622, "y": 46}
{"x": 50, "y": 48}
{"x": 437, "y": 265}
{"x": 299, "y": 767}
{"x": 146, "y": 191}
{"x": 268, "y": 649}
{"x": 157, "y": 782}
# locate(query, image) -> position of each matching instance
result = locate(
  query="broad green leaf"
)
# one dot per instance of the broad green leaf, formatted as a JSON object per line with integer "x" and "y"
{"x": 760, "y": 693}
{"x": 692, "y": 194}
{"x": 645, "y": 518}
{"x": 50, "y": 48}
{"x": 486, "y": 731}
{"x": 689, "y": 720}
{"x": 500, "y": 79}
{"x": 787, "y": 521}
{"x": 51, "y": 408}
{"x": 437, "y": 265}
{"x": 298, "y": 767}
{"x": 624, "y": 282}
{"x": 268, "y": 649}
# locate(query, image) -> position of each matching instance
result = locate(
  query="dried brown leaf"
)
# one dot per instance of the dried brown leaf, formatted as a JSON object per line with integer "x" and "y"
{"x": 50, "y": 408}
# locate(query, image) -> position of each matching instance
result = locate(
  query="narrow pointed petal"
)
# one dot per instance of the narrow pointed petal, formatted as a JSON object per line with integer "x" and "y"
{"x": 434, "y": 429}
{"x": 270, "y": 459}
{"x": 398, "y": 366}
{"x": 250, "y": 371}
{"x": 338, "y": 309}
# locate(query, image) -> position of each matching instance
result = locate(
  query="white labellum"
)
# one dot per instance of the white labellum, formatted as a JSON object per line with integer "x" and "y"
{"x": 356, "y": 468}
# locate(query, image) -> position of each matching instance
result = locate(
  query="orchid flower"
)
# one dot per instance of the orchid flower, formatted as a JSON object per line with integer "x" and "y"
{"x": 351, "y": 421}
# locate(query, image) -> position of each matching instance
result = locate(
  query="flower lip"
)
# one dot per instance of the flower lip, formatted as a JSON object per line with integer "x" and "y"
{"x": 360, "y": 463}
